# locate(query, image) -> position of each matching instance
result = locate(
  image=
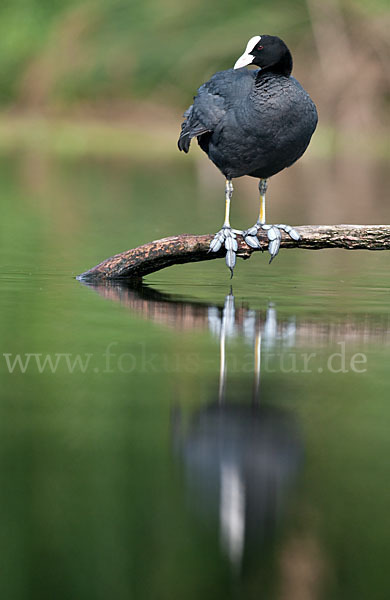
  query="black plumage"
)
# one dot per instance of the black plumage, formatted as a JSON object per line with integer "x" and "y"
{"x": 252, "y": 122}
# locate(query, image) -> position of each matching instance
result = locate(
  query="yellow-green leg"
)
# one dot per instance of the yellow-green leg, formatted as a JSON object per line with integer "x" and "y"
{"x": 226, "y": 236}
{"x": 273, "y": 231}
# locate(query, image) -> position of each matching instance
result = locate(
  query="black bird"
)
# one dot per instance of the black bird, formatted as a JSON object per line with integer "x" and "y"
{"x": 252, "y": 122}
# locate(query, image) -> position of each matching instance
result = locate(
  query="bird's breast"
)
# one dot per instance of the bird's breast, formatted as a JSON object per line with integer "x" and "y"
{"x": 266, "y": 130}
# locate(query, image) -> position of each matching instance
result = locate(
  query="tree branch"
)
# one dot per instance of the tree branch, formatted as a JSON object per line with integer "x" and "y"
{"x": 138, "y": 262}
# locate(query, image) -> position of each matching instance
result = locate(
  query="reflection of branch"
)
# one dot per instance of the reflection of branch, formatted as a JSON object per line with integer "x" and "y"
{"x": 174, "y": 311}
{"x": 138, "y": 262}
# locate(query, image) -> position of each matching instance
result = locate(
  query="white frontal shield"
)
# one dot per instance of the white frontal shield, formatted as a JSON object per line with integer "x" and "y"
{"x": 247, "y": 58}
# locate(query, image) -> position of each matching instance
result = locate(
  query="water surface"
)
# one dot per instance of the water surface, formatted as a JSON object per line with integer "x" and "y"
{"x": 186, "y": 438}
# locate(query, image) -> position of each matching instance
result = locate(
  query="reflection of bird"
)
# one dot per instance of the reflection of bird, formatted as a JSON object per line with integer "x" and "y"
{"x": 252, "y": 123}
{"x": 239, "y": 460}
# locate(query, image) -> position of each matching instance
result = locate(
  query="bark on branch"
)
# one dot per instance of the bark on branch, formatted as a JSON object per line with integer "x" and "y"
{"x": 138, "y": 262}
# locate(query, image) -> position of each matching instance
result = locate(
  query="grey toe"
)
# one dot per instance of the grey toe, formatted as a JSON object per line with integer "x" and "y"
{"x": 252, "y": 241}
{"x": 230, "y": 259}
{"x": 227, "y": 238}
{"x": 273, "y": 248}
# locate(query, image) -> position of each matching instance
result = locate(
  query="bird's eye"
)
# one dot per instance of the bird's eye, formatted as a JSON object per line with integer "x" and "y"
{"x": 259, "y": 47}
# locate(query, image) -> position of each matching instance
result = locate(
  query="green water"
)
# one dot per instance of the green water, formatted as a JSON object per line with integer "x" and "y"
{"x": 124, "y": 473}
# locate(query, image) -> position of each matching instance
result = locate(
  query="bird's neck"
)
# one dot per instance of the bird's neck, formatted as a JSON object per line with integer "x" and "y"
{"x": 282, "y": 67}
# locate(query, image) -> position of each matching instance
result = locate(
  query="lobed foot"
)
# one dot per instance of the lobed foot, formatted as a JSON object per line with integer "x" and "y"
{"x": 274, "y": 236}
{"x": 226, "y": 237}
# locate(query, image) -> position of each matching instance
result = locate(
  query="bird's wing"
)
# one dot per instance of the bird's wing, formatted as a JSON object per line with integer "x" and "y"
{"x": 213, "y": 100}
{"x": 193, "y": 126}
{"x": 202, "y": 116}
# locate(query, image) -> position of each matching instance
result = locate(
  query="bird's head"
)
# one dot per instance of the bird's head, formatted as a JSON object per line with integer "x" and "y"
{"x": 268, "y": 52}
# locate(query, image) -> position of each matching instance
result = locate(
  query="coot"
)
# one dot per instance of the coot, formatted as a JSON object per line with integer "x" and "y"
{"x": 251, "y": 122}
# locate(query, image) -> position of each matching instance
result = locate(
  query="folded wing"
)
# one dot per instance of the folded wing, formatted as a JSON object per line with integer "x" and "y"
{"x": 213, "y": 100}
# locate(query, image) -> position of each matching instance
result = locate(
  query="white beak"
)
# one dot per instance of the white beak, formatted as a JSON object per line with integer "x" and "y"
{"x": 247, "y": 58}
{"x": 244, "y": 61}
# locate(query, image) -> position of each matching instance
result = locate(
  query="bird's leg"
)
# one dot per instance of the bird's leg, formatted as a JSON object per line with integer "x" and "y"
{"x": 273, "y": 231}
{"x": 226, "y": 235}
{"x": 250, "y": 235}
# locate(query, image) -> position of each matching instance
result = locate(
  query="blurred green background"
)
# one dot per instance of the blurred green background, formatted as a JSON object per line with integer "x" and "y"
{"x": 132, "y": 66}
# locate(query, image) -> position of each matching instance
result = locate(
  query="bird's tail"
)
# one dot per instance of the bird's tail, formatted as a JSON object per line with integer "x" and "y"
{"x": 184, "y": 142}
{"x": 190, "y": 128}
